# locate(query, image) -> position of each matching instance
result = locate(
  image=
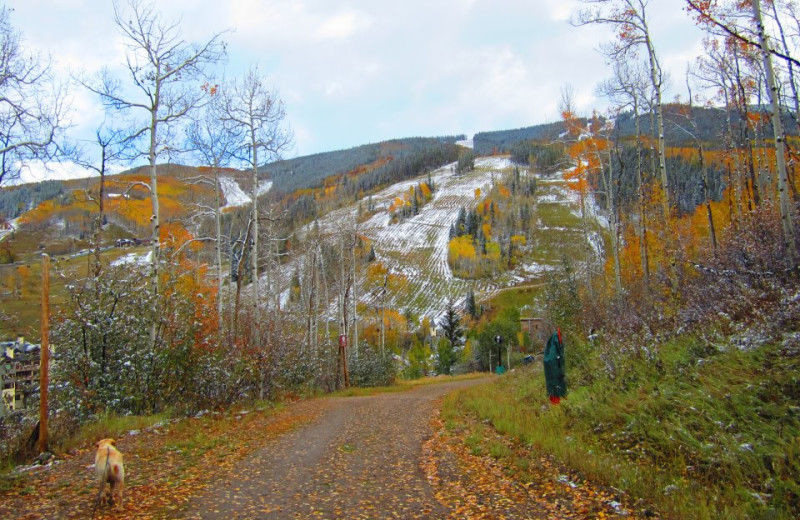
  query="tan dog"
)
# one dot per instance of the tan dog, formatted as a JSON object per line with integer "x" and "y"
{"x": 109, "y": 468}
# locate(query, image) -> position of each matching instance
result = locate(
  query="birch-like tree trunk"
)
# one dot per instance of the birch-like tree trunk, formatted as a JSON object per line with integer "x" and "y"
{"x": 787, "y": 221}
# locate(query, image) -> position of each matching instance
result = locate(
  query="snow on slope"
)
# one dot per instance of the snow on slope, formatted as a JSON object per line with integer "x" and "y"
{"x": 417, "y": 247}
{"x": 466, "y": 143}
{"x": 235, "y": 196}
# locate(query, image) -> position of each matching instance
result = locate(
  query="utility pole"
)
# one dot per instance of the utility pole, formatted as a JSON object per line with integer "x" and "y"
{"x": 44, "y": 353}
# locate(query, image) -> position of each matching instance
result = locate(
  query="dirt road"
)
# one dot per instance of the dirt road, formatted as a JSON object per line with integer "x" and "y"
{"x": 361, "y": 458}
{"x": 379, "y": 457}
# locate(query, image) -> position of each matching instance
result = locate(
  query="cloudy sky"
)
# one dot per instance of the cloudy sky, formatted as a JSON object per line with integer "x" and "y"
{"x": 359, "y": 71}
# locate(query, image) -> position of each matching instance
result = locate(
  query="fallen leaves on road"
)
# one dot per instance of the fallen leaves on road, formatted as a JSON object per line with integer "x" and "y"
{"x": 369, "y": 467}
{"x": 165, "y": 466}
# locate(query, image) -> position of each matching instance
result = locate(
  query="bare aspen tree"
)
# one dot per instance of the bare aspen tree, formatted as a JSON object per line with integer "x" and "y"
{"x": 159, "y": 93}
{"x": 354, "y": 268}
{"x": 112, "y": 146}
{"x": 213, "y": 140}
{"x": 32, "y": 105}
{"x": 787, "y": 221}
{"x": 575, "y": 131}
{"x": 694, "y": 133}
{"x": 716, "y": 70}
{"x": 258, "y": 114}
{"x": 791, "y": 11}
{"x": 627, "y": 89}
{"x": 610, "y": 183}
{"x": 630, "y": 18}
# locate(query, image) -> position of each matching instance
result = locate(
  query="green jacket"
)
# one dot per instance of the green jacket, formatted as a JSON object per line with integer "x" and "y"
{"x": 554, "y": 367}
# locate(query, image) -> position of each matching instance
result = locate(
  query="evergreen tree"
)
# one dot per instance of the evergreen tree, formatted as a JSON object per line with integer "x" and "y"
{"x": 446, "y": 357}
{"x": 447, "y": 352}
{"x": 461, "y": 222}
{"x": 470, "y": 306}
{"x": 469, "y": 224}
{"x": 451, "y": 325}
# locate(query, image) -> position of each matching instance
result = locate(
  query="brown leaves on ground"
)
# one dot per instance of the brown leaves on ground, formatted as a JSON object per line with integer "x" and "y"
{"x": 476, "y": 480}
{"x": 165, "y": 466}
{"x": 367, "y": 457}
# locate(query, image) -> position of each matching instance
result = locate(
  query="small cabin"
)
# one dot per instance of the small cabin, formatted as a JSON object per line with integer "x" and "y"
{"x": 535, "y": 327}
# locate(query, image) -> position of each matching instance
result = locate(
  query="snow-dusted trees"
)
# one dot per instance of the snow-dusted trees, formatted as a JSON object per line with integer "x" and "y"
{"x": 107, "y": 362}
{"x": 744, "y": 24}
{"x": 131, "y": 347}
{"x": 32, "y": 105}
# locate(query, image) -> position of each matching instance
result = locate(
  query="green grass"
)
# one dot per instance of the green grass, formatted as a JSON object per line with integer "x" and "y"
{"x": 110, "y": 426}
{"x": 717, "y": 439}
{"x": 518, "y": 297}
{"x": 21, "y": 312}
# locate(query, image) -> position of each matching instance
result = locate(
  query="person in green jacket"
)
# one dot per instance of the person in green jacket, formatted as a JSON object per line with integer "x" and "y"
{"x": 554, "y": 368}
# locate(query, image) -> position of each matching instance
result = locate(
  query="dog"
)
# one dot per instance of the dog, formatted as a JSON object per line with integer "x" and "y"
{"x": 109, "y": 468}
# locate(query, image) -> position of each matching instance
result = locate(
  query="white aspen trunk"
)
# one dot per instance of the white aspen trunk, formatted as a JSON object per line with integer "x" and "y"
{"x": 155, "y": 217}
{"x": 254, "y": 251}
{"x": 735, "y": 176}
{"x": 218, "y": 249}
{"x": 642, "y": 206}
{"x": 787, "y": 51}
{"x": 787, "y": 223}
{"x": 656, "y": 82}
{"x": 614, "y": 221}
{"x": 355, "y": 297}
{"x": 342, "y": 290}
{"x": 587, "y": 246}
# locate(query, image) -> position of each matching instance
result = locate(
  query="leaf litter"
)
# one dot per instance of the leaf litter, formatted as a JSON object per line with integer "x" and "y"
{"x": 385, "y": 456}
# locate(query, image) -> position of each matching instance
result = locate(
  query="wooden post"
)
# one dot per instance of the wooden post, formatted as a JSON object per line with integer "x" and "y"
{"x": 44, "y": 363}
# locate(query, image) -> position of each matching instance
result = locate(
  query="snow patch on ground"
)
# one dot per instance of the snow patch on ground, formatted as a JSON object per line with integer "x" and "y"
{"x": 134, "y": 259}
{"x": 534, "y": 268}
{"x": 466, "y": 143}
{"x": 494, "y": 163}
{"x": 264, "y": 186}
{"x": 235, "y": 196}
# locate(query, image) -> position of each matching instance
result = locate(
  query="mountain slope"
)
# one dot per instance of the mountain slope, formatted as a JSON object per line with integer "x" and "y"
{"x": 416, "y": 249}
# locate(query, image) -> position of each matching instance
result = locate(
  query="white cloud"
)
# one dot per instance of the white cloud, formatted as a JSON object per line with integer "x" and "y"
{"x": 38, "y": 172}
{"x": 359, "y": 71}
{"x": 342, "y": 25}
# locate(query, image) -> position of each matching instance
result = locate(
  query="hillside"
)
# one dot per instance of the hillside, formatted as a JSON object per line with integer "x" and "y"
{"x": 311, "y": 170}
{"x": 710, "y": 121}
{"x": 416, "y": 249}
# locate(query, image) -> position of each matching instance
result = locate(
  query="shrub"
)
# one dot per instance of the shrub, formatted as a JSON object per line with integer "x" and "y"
{"x": 370, "y": 367}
